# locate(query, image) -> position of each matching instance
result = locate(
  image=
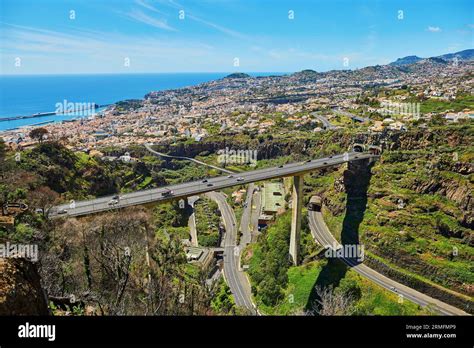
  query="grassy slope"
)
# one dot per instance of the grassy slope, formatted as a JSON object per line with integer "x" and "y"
{"x": 374, "y": 299}
{"x": 411, "y": 233}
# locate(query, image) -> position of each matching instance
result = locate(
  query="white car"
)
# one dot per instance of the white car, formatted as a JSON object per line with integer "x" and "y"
{"x": 113, "y": 202}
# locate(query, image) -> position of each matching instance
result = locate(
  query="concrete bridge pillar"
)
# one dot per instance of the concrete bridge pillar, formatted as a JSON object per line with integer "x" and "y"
{"x": 297, "y": 202}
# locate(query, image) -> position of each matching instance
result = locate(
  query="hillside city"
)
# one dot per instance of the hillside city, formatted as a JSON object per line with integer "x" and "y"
{"x": 240, "y": 103}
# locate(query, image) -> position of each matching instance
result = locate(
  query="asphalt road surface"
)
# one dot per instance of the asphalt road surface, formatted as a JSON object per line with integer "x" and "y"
{"x": 324, "y": 121}
{"x": 324, "y": 237}
{"x": 352, "y": 116}
{"x": 148, "y": 147}
{"x": 236, "y": 279}
{"x": 192, "y": 221}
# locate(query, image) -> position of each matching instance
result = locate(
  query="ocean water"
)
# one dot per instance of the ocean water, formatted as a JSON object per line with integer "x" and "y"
{"x": 27, "y": 95}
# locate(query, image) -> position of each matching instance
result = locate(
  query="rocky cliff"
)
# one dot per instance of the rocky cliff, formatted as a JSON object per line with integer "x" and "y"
{"x": 20, "y": 288}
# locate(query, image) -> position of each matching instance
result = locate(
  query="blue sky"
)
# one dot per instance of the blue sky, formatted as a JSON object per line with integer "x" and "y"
{"x": 130, "y": 36}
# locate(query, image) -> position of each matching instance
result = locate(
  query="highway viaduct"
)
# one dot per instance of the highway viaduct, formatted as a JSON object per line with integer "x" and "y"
{"x": 297, "y": 170}
{"x": 163, "y": 194}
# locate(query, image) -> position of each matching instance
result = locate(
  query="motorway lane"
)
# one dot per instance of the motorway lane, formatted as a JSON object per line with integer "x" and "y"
{"x": 199, "y": 187}
{"x": 324, "y": 237}
{"x": 236, "y": 279}
{"x": 192, "y": 221}
{"x": 199, "y": 183}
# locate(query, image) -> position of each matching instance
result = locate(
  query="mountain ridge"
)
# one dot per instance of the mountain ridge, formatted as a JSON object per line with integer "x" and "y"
{"x": 463, "y": 55}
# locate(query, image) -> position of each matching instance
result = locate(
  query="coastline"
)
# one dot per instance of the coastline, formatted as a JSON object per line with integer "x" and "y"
{"x": 44, "y": 91}
{"x": 50, "y": 113}
{"x": 94, "y": 112}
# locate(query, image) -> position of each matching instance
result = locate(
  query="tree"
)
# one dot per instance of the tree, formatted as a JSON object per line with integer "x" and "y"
{"x": 3, "y": 150}
{"x": 332, "y": 302}
{"x": 269, "y": 272}
{"x": 168, "y": 263}
{"x": 14, "y": 187}
{"x": 115, "y": 241}
{"x": 101, "y": 261}
{"x": 113, "y": 265}
{"x": 437, "y": 120}
{"x": 223, "y": 302}
{"x": 4, "y": 165}
{"x": 349, "y": 287}
{"x": 43, "y": 198}
{"x": 39, "y": 134}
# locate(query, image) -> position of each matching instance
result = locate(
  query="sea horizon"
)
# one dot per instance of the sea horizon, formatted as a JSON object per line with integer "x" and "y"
{"x": 252, "y": 73}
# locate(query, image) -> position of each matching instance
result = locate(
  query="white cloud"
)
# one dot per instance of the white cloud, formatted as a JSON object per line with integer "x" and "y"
{"x": 78, "y": 51}
{"x": 146, "y": 5}
{"x": 218, "y": 27}
{"x": 176, "y": 5}
{"x": 434, "y": 29}
{"x": 146, "y": 19}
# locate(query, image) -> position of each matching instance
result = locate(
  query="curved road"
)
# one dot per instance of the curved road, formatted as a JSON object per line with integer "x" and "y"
{"x": 192, "y": 221}
{"x": 324, "y": 237}
{"x": 324, "y": 121}
{"x": 236, "y": 279}
{"x": 148, "y": 147}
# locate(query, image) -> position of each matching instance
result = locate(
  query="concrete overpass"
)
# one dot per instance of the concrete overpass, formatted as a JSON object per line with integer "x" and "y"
{"x": 352, "y": 116}
{"x": 167, "y": 193}
{"x": 318, "y": 228}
